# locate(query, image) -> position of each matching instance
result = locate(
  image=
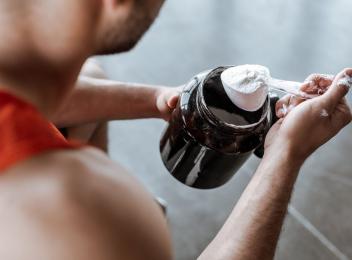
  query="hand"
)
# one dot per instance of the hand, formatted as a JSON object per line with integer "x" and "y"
{"x": 306, "y": 125}
{"x": 166, "y": 101}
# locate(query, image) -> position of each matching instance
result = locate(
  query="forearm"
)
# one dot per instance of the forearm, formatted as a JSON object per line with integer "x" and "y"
{"x": 253, "y": 228}
{"x": 95, "y": 100}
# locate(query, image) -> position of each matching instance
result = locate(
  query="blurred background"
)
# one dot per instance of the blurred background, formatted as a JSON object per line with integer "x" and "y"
{"x": 292, "y": 38}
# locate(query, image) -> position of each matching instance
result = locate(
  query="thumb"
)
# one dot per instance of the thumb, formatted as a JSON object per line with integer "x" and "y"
{"x": 172, "y": 102}
{"x": 338, "y": 89}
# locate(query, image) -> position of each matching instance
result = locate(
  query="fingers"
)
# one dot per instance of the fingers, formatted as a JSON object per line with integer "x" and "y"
{"x": 173, "y": 97}
{"x": 286, "y": 104}
{"x": 172, "y": 101}
{"x": 317, "y": 84}
{"x": 283, "y": 106}
{"x": 317, "y": 77}
{"x": 339, "y": 88}
{"x": 166, "y": 102}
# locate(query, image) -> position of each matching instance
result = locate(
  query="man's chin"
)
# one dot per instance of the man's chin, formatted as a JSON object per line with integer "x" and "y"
{"x": 119, "y": 48}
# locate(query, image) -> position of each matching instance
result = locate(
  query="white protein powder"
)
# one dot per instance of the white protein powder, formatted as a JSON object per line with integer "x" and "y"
{"x": 247, "y": 85}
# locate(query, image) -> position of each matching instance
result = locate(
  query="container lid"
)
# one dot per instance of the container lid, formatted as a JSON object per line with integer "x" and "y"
{"x": 247, "y": 86}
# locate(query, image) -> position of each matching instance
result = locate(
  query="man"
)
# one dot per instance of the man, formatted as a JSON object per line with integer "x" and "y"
{"x": 60, "y": 200}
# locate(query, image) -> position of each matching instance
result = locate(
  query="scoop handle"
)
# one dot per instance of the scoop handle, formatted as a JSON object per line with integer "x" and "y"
{"x": 290, "y": 87}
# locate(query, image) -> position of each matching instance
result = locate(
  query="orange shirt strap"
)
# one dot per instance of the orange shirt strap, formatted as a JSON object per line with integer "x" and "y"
{"x": 24, "y": 132}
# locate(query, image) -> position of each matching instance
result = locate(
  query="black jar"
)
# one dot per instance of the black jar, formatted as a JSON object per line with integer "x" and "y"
{"x": 209, "y": 138}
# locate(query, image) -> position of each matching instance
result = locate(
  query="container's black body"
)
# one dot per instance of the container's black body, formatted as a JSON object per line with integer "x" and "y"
{"x": 198, "y": 147}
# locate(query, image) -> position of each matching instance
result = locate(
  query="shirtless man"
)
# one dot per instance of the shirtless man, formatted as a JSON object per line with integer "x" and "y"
{"x": 63, "y": 201}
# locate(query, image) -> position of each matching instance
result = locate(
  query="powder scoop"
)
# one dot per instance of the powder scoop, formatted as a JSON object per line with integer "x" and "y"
{"x": 247, "y": 86}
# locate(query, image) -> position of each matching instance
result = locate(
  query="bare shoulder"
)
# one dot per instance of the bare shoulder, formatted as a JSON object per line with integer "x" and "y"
{"x": 84, "y": 200}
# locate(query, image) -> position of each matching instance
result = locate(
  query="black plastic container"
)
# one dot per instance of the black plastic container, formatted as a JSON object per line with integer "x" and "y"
{"x": 208, "y": 137}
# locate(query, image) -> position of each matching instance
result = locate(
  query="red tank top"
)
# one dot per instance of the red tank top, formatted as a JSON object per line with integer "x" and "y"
{"x": 24, "y": 132}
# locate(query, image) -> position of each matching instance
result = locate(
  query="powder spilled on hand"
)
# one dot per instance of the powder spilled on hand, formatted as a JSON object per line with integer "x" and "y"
{"x": 324, "y": 113}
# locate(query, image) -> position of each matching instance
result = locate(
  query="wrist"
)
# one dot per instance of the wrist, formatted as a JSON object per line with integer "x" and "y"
{"x": 285, "y": 152}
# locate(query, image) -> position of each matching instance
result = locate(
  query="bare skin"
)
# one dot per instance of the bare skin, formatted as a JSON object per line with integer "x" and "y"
{"x": 81, "y": 205}
{"x": 78, "y": 205}
{"x": 93, "y": 133}
{"x": 115, "y": 100}
{"x": 111, "y": 100}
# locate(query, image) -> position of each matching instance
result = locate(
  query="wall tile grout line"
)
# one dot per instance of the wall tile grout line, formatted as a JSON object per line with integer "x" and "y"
{"x": 316, "y": 233}
{"x": 310, "y": 227}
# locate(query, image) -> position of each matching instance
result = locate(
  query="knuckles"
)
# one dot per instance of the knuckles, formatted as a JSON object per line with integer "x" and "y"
{"x": 347, "y": 71}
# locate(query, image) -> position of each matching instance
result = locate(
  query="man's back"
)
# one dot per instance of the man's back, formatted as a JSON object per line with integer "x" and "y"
{"x": 78, "y": 205}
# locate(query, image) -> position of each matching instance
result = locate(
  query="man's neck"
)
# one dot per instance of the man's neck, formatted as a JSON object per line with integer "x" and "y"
{"x": 39, "y": 82}
{"x": 39, "y": 64}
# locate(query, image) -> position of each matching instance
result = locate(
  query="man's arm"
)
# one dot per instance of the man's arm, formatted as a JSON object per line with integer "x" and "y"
{"x": 97, "y": 100}
{"x": 253, "y": 228}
